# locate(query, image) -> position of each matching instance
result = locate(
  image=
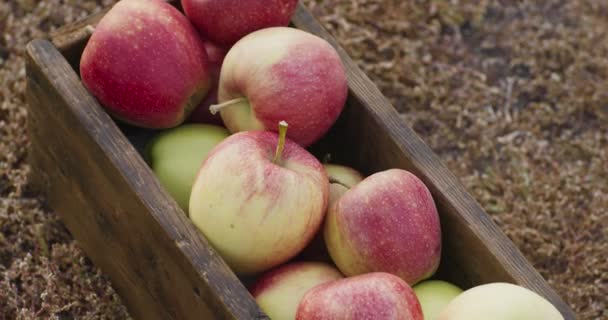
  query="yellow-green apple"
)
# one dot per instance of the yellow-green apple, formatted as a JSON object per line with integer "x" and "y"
{"x": 434, "y": 296}
{"x": 256, "y": 209}
{"x": 201, "y": 113}
{"x": 279, "y": 291}
{"x": 376, "y": 295}
{"x": 146, "y": 64}
{"x": 343, "y": 175}
{"x": 341, "y": 178}
{"x": 499, "y": 301}
{"x": 282, "y": 74}
{"x": 227, "y": 21}
{"x": 388, "y": 222}
{"x": 175, "y": 155}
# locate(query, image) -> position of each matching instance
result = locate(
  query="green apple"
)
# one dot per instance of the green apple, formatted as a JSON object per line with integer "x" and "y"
{"x": 499, "y": 301}
{"x": 434, "y": 296}
{"x": 176, "y": 155}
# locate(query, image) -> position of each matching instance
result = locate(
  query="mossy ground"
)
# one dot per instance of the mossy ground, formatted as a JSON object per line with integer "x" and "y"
{"x": 513, "y": 96}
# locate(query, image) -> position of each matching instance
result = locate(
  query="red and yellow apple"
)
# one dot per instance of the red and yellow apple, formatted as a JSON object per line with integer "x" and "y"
{"x": 279, "y": 291}
{"x": 377, "y": 295}
{"x": 386, "y": 223}
{"x": 146, "y": 64}
{"x": 280, "y": 74}
{"x": 227, "y": 21}
{"x": 256, "y": 209}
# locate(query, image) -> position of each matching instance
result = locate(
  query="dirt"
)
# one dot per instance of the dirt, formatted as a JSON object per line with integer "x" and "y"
{"x": 511, "y": 94}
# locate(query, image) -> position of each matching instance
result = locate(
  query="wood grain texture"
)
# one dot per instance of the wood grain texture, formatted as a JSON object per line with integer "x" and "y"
{"x": 110, "y": 201}
{"x": 369, "y": 136}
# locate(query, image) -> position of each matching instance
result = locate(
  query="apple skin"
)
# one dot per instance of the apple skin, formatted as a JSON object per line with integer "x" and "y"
{"x": 283, "y": 74}
{"x": 341, "y": 178}
{"x": 255, "y": 213}
{"x": 146, "y": 64}
{"x": 201, "y": 113}
{"x": 343, "y": 175}
{"x": 499, "y": 301}
{"x": 377, "y": 296}
{"x": 227, "y": 21}
{"x": 175, "y": 156}
{"x": 279, "y": 291}
{"x": 386, "y": 223}
{"x": 434, "y": 296}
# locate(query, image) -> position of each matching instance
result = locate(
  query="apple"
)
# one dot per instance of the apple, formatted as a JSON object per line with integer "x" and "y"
{"x": 279, "y": 291}
{"x": 201, "y": 114}
{"x": 377, "y": 295}
{"x": 499, "y": 301}
{"x": 175, "y": 156}
{"x": 434, "y": 296}
{"x": 256, "y": 209}
{"x": 341, "y": 178}
{"x": 146, "y": 64}
{"x": 388, "y": 222}
{"x": 282, "y": 74}
{"x": 227, "y": 21}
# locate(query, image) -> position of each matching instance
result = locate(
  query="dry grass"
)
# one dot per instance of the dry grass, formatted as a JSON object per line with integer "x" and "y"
{"x": 511, "y": 94}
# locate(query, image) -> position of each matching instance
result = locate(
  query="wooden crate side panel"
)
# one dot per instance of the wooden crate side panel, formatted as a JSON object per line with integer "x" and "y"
{"x": 110, "y": 201}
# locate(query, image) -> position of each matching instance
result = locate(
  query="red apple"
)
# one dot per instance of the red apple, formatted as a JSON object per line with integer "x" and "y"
{"x": 282, "y": 74}
{"x": 279, "y": 291}
{"x": 377, "y": 296}
{"x": 259, "y": 211}
{"x": 202, "y": 114}
{"x": 388, "y": 223}
{"x": 146, "y": 64}
{"x": 227, "y": 21}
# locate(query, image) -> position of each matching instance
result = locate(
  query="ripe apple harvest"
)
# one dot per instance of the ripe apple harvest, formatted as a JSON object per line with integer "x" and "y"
{"x": 377, "y": 296}
{"x": 258, "y": 211}
{"x": 388, "y": 223}
{"x": 201, "y": 113}
{"x": 499, "y": 301}
{"x": 434, "y": 296}
{"x": 176, "y": 155}
{"x": 146, "y": 64}
{"x": 279, "y": 291}
{"x": 280, "y": 74}
{"x": 227, "y": 21}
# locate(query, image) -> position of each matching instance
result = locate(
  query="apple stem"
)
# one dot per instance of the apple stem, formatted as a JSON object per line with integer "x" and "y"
{"x": 217, "y": 107}
{"x": 90, "y": 29}
{"x": 282, "y": 134}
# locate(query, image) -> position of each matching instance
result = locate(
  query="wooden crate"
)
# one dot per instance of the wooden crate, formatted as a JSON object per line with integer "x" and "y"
{"x": 92, "y": 173}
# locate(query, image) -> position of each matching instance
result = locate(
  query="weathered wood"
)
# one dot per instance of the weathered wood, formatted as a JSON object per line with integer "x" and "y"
{"x": 111, "y": 202}
{"x": 88, "y": 160}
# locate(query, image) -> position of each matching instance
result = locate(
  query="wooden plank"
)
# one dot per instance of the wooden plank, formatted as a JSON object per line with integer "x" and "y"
{"x": 473, "y": 240}
{"x": 108, "y": 198}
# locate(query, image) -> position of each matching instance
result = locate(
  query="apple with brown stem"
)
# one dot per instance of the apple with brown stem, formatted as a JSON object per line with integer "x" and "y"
{"x": 256, "y": 209}
{"x": 282, "y": 74}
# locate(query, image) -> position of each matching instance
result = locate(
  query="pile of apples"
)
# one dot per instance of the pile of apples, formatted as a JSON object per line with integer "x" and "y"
{"x": 237, "y": 97}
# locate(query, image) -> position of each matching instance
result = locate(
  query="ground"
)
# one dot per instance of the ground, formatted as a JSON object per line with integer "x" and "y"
{"x": 512, "y": 95}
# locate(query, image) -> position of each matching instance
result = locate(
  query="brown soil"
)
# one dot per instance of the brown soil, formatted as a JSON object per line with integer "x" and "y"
{"x": 513, "y": 95}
